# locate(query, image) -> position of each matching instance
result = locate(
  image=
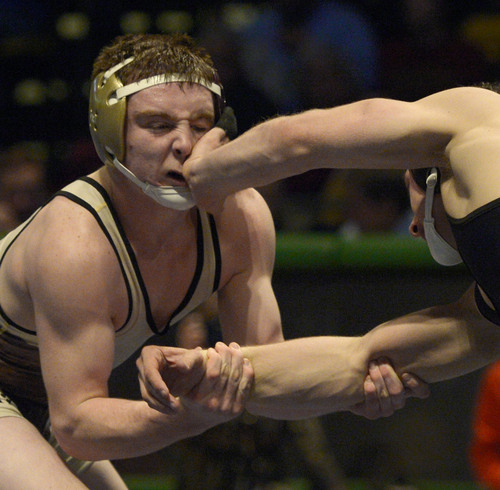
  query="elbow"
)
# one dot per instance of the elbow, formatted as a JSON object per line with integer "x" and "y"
{"x": 377, "y": 108}
{"x": 64, "y": 434}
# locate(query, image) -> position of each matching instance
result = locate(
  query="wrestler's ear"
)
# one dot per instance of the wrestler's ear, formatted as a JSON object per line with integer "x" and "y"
{"x": 228, "y": 123}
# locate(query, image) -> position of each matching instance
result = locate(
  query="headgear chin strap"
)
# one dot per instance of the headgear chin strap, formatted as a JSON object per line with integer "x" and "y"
{"x": 442, "y": 252}
{"x": 107, "y": 110}
{"x": 173, "y": 197}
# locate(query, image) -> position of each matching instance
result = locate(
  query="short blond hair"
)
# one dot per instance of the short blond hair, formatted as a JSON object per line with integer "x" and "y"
{"x": 156, "y": 54}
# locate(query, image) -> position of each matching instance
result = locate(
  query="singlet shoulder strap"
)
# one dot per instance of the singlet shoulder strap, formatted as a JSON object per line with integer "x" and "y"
{"x": 207, "y": 275}
{"x": 92, "y": 196}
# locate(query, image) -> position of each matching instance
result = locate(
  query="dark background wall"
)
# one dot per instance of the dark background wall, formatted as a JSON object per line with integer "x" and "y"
{"x": 429, "y": 438}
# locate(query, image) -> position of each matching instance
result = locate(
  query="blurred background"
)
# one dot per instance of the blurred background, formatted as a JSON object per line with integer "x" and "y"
{"x": 344, "y": 259}
{"x": 273, "y": 57}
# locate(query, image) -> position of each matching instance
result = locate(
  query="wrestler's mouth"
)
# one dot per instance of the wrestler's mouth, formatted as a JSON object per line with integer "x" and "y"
{"x": 176, "y": 178}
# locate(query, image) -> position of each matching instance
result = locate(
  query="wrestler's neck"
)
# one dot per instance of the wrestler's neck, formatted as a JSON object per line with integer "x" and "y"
{"x": 139, "y": 214}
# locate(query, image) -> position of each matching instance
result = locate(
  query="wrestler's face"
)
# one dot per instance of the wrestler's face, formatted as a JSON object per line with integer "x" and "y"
{"x": 163, "y": 124}
{"x": 417, "y": 203}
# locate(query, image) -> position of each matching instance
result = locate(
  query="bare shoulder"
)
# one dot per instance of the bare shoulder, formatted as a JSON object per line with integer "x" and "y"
{"x": 66, "y": 254}
{"x": 245, "y": 212}
{"x": 473, "y": 151}
{"x": 246, "y": 231}
{"x": 472, "y": 104}
{"x": 68, "y": 231}
{"x": 461, "y": 93}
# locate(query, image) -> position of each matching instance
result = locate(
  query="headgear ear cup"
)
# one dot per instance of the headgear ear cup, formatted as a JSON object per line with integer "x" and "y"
{"x": 228, "y": 123}
{"x": 107, "y": 114}
{"x": 219, "y": 100}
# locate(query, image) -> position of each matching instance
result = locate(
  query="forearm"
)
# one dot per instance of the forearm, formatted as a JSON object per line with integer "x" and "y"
{"x": 307, "y": 377}
{"x": 436, "y": 344}
{"x": 373, "y": 133}
{"x": 256, "y": 158}
{"x": 111, "y": 428}
{"x": 313, "y": 376}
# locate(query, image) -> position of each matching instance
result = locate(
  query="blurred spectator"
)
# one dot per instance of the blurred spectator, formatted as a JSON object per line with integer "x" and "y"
{"x": 23, "y": 18}
{"x": 304, "y": 55}
{"x": 422, "y": 53}
{"x": 294, "y": 201}
{"x": 73, "y": 160}
{"x": 251, "y": 104}
{"x": 296, "y": 46}
{"x": 356, "y": 202}
{"x": 8, "y": 219}
{"x": 23, "y": 185}
{"x": 482, "y": 30}
{"x": 484, "y": 452}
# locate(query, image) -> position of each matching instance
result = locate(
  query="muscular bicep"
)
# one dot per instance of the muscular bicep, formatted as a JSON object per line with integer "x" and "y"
{"x": 248, "y": 309}
{"x": 76, "y": 359}
{"x": 249, "y": 312}
{"x": 73, "y": 285}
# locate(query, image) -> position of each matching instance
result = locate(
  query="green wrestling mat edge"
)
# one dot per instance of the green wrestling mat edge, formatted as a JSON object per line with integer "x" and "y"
{"x": 327, "y": 250}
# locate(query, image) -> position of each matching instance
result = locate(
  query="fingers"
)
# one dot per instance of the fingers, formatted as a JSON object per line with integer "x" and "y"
{"x": 239, "y": 378}
{"x": 409, "y": 385}
{"x": 414, "y": 386}
{"x": 166, "y": 403}
{"x": 389, "y": 390}
{"x": 390, "y": 383}
{"x": 166, "y": 372}
{"x": 245, "y": 384}
{"x": 370, "y": 408}
{"x": 232, "y": 369}
{"x": 227, "y": 382}
{"x": 152, "y": 386}
{"x": 208, "y": 389}
{"x": 216, "y": 381}
{"x": 210, "y": 141}
{"x": 384, "y": 391}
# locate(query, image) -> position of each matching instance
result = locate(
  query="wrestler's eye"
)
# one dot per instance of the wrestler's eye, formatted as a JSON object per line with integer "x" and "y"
{"x": 155, "y": 122}
{"x": 201, "y": 125}
{"x": 161, "y": 125}
{"x": 199, "y": 129}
